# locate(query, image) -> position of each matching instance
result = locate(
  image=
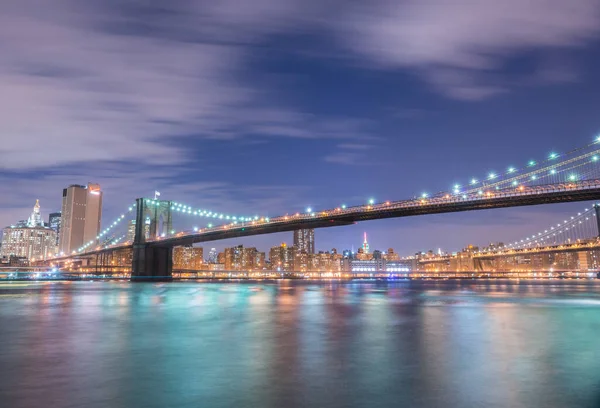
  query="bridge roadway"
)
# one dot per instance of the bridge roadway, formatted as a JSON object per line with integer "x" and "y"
{"x": 521, "y": 196}
{"x": 446, "y": 203}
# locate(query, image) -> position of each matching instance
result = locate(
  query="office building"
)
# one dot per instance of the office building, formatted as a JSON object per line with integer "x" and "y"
{"x": 81, "y": 216}
{"x": 54, "y": 221}
{"x": 304, "y": 240}
{"x": 35, "y": 219}
{"x": 30, "y": 239}
{"x": 33, "y": 243}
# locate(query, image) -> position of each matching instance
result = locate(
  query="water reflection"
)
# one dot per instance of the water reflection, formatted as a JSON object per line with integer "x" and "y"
{"x": 300, "y": 344}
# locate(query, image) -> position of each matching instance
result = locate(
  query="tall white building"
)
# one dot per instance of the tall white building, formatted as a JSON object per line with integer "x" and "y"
{"x": 81, "y": 216}
{"x": 35, "y": 219}
{"x": 32, "y": 241}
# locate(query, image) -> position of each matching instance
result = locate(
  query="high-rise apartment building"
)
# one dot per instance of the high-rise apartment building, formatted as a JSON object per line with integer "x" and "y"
{"x": 304, "y": 240}
{"x": 188, "y": 258}
{"x": 81, "y": 216}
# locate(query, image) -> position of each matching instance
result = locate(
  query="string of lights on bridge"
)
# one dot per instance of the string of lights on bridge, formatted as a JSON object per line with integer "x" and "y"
{"x": 569, "y": 169}
{"x": 105, "y": 231}
{"x": 580, "y": 226}
{"x": 556, "y": 168}
{"x": 198, "y": 212}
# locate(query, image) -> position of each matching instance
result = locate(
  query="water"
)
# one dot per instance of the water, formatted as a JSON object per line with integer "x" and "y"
{"x": 297, "y": 344}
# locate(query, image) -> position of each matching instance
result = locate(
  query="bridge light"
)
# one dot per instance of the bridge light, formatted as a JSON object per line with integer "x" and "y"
{"x": 130, "y": 209}
{"x": 492, "y": 176}
{"x": 598, "y": 139}
{"x": 343, "y": 206}
{"x": 553, "y": 156}
{"x": 594, "y": 158}
{"x": 209, "y": 225}
{"x": 195, "y": 229}
{"x": 572, "y": 177}
{"x": 309, "y": 210}
{"x": 511, "y": 170}
{"x": 371, "y": 201}
{"x": 473, "y": 181}
{"x": 534, "y": 177}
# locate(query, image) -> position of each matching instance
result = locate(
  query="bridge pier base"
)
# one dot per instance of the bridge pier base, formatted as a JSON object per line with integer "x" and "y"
{"x": 152, "y": 263}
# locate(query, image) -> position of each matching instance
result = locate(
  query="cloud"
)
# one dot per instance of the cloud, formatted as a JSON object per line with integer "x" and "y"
{"x": 106, "y": 81}
{"x": 455, "y": 45}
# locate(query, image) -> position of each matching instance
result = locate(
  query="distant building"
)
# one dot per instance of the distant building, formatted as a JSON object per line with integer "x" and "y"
{"x": 33, "y": 243}
{"x": 391, "y": 255}
{"x": 282, "y": 257}
{"x": 81, "y": 216}
{"x": 35, "y": 219}
{"x": 304, "y": 240}
{"x": 131, "y": 229}
{"x": 188, "y": 257}
{"x": 54, "y": 221}
{"x": 31, "y": 240}
{"x": 365, "y": 245}
{"x": 239, "y": 258}
{"x": 213, "y": 256}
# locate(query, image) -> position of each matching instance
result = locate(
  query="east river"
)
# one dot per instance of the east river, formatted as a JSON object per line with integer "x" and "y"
{"x": 299, "y": 344}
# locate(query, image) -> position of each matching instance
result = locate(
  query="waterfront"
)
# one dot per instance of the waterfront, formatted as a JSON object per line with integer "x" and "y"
{"x": 294, "y": 344}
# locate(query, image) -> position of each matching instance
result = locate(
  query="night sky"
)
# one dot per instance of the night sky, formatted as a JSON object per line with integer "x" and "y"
{"x": 270, "y": 106}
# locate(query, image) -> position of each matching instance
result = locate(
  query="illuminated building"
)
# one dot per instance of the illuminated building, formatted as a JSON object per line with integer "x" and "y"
{"x": 213, "y": 256}
{"x": 304, "y": 240}
{"x": 239, "y": 258}
{"x": 365, "y": 245}
{"x": 31, "y": 240}
{"x": 54, "y": 221}
{"x": 33, "y": 243}
{"x": 81, "y": 216}
{"x": 35, "y": 219}
{"x": 188, "y": 257}
{"x": 282, "y": 257}
{"x": 391, "y": 255}
{"x": 131, "y": 229}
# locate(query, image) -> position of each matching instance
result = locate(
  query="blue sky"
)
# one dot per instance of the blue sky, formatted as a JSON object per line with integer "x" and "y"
{"x": 270, "y": 106}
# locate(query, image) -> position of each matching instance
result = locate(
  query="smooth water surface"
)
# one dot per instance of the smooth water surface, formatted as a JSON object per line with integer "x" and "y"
{"x": 299, "y": 344}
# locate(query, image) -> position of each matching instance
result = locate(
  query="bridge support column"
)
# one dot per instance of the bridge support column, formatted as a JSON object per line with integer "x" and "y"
{"x": 152, "y": 264}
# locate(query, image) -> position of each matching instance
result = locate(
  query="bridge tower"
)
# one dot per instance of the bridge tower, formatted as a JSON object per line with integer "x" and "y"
{"x": 597, "y": 210}
{"x": 152, "y": 261}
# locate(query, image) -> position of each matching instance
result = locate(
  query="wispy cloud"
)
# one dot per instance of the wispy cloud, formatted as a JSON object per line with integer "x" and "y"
{"x": 456, "y": 45}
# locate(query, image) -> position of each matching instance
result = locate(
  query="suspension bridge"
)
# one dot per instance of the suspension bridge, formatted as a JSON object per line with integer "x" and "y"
{"x": 557, "y": 178}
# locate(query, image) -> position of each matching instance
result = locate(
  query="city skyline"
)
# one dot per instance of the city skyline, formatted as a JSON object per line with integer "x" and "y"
{"x": 246, "y": 115}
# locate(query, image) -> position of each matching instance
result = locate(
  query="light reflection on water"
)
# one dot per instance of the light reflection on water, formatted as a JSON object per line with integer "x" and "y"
{"x": 288, "y": 344}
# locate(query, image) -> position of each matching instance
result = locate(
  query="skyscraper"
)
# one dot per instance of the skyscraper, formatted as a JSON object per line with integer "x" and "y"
{"x": 365, "y": 245}
{"x": 54, "y": 221}
{"x": 35, "y": 219}
{"x": 304, "y": 240}
{"x": 31, "y": 240}
{"x": 81, "y": 216}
